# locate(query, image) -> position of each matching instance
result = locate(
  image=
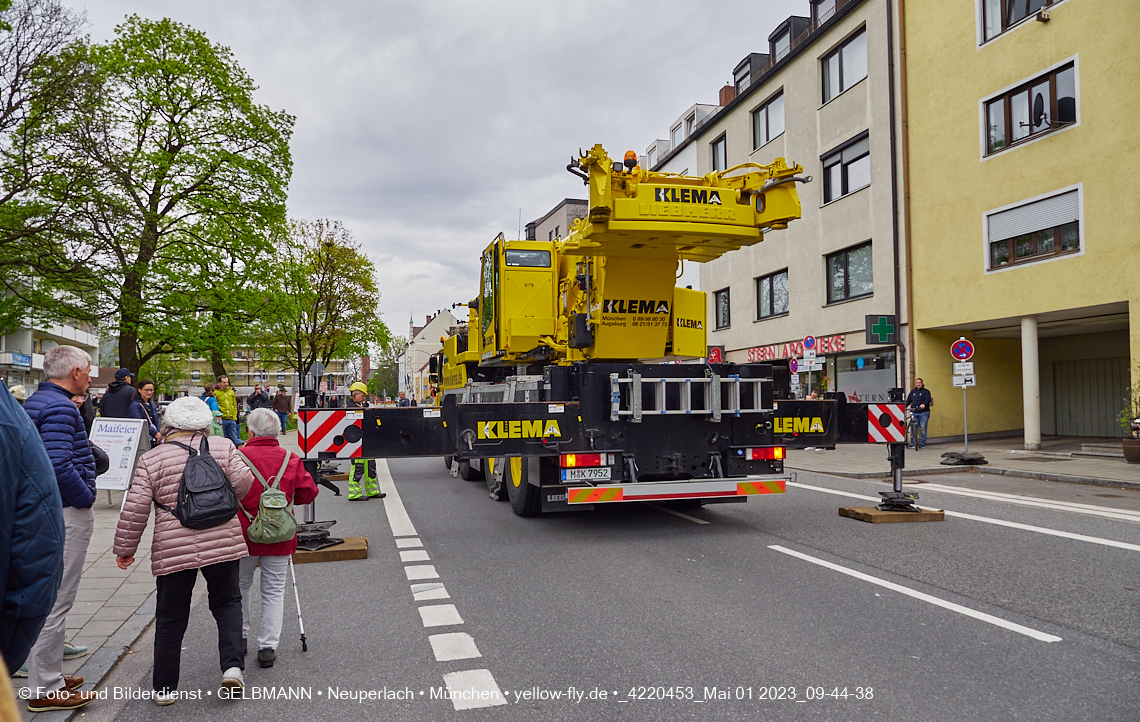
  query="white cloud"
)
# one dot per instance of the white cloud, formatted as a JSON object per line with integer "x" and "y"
{"x": 426, "y": 126}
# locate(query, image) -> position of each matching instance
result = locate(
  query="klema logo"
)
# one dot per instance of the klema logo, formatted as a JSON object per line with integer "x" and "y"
{"x": 635, "y": 306}
{"x": 690, "y": 323}
{"x": 525, "y": 429}
{"x": 798, "y": 425}
{"x": 686, "y": 195}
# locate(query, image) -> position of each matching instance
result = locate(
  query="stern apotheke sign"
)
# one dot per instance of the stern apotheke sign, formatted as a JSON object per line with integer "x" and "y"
{"x": 793, "y": 349}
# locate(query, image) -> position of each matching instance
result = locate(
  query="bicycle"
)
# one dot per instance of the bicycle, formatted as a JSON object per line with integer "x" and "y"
{"x": 913, "y": 430}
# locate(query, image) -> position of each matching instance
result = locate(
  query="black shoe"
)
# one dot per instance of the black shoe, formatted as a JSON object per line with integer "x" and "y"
{"x": 266, "y": 657}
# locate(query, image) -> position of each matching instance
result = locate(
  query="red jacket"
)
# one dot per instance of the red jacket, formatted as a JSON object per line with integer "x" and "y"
{"x": 298, "y": 485}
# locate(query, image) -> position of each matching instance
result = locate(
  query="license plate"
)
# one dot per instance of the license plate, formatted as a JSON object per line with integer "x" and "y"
{"x": 598, "y": 474}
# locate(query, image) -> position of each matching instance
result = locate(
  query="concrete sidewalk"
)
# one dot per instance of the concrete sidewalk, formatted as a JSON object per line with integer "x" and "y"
{"x": 870, "y": 461}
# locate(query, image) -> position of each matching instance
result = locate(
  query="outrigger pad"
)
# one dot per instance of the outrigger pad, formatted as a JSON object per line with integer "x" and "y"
{"x": 957, "y": 458}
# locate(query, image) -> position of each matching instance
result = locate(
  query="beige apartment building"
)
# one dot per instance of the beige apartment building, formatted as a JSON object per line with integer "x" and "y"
{"x": 820, "y": 96}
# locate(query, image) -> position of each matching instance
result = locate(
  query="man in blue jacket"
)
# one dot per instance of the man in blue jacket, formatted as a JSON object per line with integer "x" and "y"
{"x": 68, "y": 370}
{"x": 31, "y": 533}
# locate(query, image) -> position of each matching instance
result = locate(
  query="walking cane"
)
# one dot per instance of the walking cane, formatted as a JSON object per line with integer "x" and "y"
{"x": 300, "y": 619}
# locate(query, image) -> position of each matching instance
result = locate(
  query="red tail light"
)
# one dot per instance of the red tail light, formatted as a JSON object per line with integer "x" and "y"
{"x": 570, "y": 461}
{"x": 767, "y": 452}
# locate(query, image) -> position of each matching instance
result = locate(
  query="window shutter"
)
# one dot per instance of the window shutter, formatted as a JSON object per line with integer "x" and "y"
{"x": 1036, "y": 216}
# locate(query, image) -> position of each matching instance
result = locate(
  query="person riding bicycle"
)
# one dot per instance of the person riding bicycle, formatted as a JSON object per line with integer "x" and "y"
{"x": 919, "y": 400}
{"x": 362, "y": 469}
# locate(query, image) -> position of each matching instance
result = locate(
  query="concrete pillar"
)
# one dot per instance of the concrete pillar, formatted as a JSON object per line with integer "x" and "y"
{"x": 1030, "y": 383}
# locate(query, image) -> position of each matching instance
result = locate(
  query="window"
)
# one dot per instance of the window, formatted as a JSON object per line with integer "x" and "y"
{"x": 772, "y": 294}
{"x": 781, "y": 46}
{"x": 677, "y": 137}
{"x": 723, "y": 318}
{"x": 280, "y": 378}
{"x": 822, "y": 10}
{"x": 1043, "y": 104}
{"x": 528, "y": 259}
{"x": 768, "y": 121}
{"x": 652, "y": 156}
{"x": 550, "y": 235}
{"x": 847, "y": 169}
{"x": 689, "y": 122}
{"x": 845, "y": 66}
{"x": 1034, "y": 231}
{"x": 195, "y": 376}
{"x": 1000, "y": 15}
{"x": 719, "y": 154}
{"x": 743, "y": 78}
{"x": 850, "y": 273}
{"x": 558, "y": 231}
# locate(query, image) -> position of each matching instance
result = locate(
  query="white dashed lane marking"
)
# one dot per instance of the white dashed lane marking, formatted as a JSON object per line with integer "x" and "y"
{"x": 473, "y": 688}
{"x": 431, "y": 590}
{"x": 469, "y": 689}
{"x": 440, "y": 615}
{"x": 421, "y": 571}
{"x": 453, "y": 645}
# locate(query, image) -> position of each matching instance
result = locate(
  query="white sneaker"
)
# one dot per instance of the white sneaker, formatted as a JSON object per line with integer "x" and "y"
{"x": 232, "y": 679}
{"x": 163, "y": 699}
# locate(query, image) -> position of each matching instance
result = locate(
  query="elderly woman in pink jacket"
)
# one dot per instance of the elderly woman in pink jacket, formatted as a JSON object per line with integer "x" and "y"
{"x": 178, "y": 553}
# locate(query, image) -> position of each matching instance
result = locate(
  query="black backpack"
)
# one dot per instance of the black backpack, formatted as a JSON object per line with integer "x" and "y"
{"x": 205, "y": 497}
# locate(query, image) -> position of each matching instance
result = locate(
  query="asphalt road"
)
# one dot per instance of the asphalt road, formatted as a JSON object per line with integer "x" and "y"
{"x": 1020, "y": 609}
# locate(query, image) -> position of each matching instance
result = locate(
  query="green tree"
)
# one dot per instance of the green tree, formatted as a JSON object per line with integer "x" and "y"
{"x": 386, "y": 367}
{"x": 37, "y": 79}
{"x": 181, "y": 183}
{"x": 327, "y": 304}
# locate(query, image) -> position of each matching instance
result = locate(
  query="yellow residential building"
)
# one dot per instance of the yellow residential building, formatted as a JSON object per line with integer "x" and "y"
{"x": 1024, "y": 210}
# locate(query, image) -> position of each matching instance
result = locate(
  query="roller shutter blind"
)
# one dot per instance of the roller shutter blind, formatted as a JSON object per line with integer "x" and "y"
{"x": 1036, "y": 216}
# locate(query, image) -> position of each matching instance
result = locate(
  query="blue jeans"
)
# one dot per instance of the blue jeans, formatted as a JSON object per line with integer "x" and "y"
{"x": 230, "y": 431}
{"x": 922, "y": 418}
{"x": 284, "y": 419}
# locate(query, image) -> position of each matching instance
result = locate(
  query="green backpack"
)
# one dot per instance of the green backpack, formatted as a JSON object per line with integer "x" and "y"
{"x": 274, "y": 521}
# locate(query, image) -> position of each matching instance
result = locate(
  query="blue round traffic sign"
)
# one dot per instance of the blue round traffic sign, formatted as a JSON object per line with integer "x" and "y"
{"x": 809, "y": 342}
{"x": 962, "y": 350}
{"x": 793, "y": 365}
{"x": 860, "y": 363}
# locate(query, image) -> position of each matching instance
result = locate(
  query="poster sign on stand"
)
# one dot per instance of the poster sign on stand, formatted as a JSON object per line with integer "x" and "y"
{"x": 124, "y": 440}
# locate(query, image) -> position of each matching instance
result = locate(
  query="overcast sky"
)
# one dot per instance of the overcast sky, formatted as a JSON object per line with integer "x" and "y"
{"x": 426, "y": 127}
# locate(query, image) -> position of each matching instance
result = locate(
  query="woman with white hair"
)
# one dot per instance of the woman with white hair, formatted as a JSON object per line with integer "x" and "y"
{"x": 276, "y": 467}
{"x": 178, "y": 553}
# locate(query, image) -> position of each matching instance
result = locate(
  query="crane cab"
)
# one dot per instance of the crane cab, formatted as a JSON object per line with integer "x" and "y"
{"x": 516, "y": 300}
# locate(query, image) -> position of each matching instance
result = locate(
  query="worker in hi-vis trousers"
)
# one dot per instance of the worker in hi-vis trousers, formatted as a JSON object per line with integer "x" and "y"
{"x": 362, "y": 469}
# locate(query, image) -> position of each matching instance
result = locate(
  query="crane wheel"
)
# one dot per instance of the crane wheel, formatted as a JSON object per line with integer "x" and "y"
{"x": 468, "y": 472}
{"x": 526, "y": 499}
{"x": 447, "y": 462}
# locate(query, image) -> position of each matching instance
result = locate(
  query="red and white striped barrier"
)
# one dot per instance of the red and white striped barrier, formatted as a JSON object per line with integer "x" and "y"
{"x": 330, "y": 433}
{"x": 885, "y": 424}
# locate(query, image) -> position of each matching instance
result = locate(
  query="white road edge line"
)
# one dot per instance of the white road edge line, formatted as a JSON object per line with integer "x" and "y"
{"x": 1104, "y": 511}
{"x": 988, "y": 520}
{"x": 661, "y": 507}
{"x": 982, "y": 616}
{"x": 398, "y": 518}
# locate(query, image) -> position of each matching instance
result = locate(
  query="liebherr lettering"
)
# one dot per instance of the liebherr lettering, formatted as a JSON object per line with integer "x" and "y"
{"x": 523, "y": 429}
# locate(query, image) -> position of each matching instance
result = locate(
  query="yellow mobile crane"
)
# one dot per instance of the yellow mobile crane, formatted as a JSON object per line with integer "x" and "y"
{"x": 580, "y": 376}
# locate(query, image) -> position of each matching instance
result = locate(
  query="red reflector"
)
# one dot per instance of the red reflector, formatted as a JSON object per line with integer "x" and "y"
{"x": 575, "y": 460}
{"x": 768, "y": 452}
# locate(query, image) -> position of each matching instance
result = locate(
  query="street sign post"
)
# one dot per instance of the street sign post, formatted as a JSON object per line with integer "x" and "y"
{"x": 881, "y": 330}
{"x": 962, "y": 351}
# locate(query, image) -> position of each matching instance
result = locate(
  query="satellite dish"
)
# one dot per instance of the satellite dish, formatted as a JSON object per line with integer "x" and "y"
{"x": 1038, "y": 110}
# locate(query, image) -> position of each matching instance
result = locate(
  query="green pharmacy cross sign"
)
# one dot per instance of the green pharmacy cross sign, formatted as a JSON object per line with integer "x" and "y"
{"x": 881, "y": 330}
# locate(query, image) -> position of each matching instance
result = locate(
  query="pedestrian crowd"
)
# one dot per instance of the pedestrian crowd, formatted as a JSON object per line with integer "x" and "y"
{"x": 222, "y": 508}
